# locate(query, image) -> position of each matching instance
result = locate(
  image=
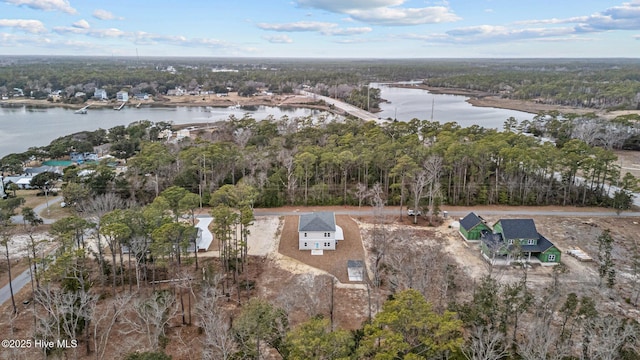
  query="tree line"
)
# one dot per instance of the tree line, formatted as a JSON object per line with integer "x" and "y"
{"x": 585, "y": 83}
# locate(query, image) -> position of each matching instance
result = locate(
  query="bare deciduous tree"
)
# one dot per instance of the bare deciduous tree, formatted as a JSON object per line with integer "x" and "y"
{"x": 485, "y": 344}
{"x": 218, "y": 342}
{"x": 152, "y": 315}
{"x": 104, "y": 321}
{"x": 608, "y": 336}
{"x": 541, "y": 341}
{"x": 362, "y": 192}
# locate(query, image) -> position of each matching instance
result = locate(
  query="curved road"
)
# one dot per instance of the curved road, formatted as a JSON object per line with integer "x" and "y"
{"x": 18, "y": 282}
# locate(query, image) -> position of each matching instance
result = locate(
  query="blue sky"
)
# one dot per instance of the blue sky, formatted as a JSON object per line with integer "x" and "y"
{"x": 322, "y": 28}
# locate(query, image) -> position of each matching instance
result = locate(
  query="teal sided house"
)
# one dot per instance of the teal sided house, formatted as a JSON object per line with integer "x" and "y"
{"x": 472, "y": 226}
{"x": 517, "y": 239}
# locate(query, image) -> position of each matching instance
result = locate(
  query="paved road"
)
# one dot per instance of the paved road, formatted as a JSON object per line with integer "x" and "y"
{"x": 24, "y": 278}
{"x": 41, "y": 210}
{"x": 18, "y": 283}
{"x": 348, "y": 108}
{"x": 366, "y": 211}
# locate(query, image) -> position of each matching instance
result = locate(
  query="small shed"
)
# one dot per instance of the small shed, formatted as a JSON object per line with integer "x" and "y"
{"x": 355, "y": 270}
{"x": 472, "y": 226}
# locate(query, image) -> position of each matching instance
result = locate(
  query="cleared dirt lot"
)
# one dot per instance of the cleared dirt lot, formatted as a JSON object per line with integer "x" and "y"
{"x": 566, "y": 232}
{"x": 333, "y": 262}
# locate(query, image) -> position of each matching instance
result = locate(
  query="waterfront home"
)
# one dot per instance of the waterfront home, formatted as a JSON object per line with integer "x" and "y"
{"x": 100, "y": 94}
{"x": 122, "y": 96}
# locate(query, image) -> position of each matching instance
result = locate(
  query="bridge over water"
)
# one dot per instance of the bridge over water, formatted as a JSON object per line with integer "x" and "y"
{"x": 348, "y": 108}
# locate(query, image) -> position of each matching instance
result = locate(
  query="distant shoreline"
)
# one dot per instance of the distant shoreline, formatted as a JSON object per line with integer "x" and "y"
{"x": 475, "y": 98}
{"x": 485, "y": 99}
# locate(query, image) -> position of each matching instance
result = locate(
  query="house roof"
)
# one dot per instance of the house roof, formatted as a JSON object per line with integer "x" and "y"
{"x": 317, "y": 221}
{"x": 518, "y": 229}
{"x": 470, "y": 221}
{"x": 495, "y": 241}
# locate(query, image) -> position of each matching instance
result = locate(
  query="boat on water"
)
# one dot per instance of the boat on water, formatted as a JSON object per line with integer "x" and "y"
{"x": 235, "y": 107}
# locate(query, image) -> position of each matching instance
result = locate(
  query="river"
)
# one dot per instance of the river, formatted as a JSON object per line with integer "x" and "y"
{"x": 22, "y": 127}
{"x": 405, "y": 104}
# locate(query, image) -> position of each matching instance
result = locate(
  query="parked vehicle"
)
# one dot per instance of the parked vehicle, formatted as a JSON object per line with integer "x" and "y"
{"x": 412, "y": 212}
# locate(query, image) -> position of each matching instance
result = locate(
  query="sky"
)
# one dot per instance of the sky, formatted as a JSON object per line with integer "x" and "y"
{"x": 322, "y": 28}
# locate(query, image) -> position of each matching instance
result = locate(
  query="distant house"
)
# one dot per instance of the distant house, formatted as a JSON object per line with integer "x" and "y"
{"x": 165, "y": 134}
{"x": 122, "y": 96}
{"x": 141, "y": 96}
{"x": 472, "y": 226}
{"x": 83, "y": 157}
{"x": 176, "y": 92}
{"x": 100, "y": 94}
{"x": 318, "y": 231}
{"x": 517, "y": 239}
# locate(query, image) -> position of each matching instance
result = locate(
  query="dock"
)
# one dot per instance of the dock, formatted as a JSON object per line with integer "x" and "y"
{"x": 118, "y": 108}
{"x": 83, "y": 110}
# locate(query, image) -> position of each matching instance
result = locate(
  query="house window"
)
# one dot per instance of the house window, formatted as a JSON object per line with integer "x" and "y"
{"x": 510, "y": 241}
{"x": 531, "y": 242}
{"x": 551, "y": 257}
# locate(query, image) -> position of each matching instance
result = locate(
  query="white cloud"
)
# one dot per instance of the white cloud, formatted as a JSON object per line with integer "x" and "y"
{"x": 384, "y": 12}
{"x": 347, "y": 31}
{"x": 29, "y": 26}
{"x": 405, "y": 16}
{"x": 623, "y": 17}
{"x": 278, "y": 39}
{"x": 298, "y": 26}
{"x": 101, "y": 14}
{"x": 46, "y": 5}
{"x": 324, "y": 28}
{"x": 341, "y": 6}
{"x": 97, "y": 33}
{"x": 81, "y": 24}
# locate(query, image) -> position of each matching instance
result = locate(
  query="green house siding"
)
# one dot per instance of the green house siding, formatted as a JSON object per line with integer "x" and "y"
{"x": 544, "y": 257}
{"x": 475, "y": 232}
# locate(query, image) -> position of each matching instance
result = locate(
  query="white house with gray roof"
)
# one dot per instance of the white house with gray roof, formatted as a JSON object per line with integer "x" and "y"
{"x": 318, "y": 231}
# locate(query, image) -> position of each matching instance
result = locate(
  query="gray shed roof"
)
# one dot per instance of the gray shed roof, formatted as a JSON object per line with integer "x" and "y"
{"x": 470, "y": 221}
{"x": 317, "y": 221}
{"x": 355, "y": 270}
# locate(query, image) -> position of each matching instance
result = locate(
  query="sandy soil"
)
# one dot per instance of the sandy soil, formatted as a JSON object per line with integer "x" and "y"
{"x": 262, "y": 240}
{"x": 332, "y": 262}
{"x": 629, "y": 161}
